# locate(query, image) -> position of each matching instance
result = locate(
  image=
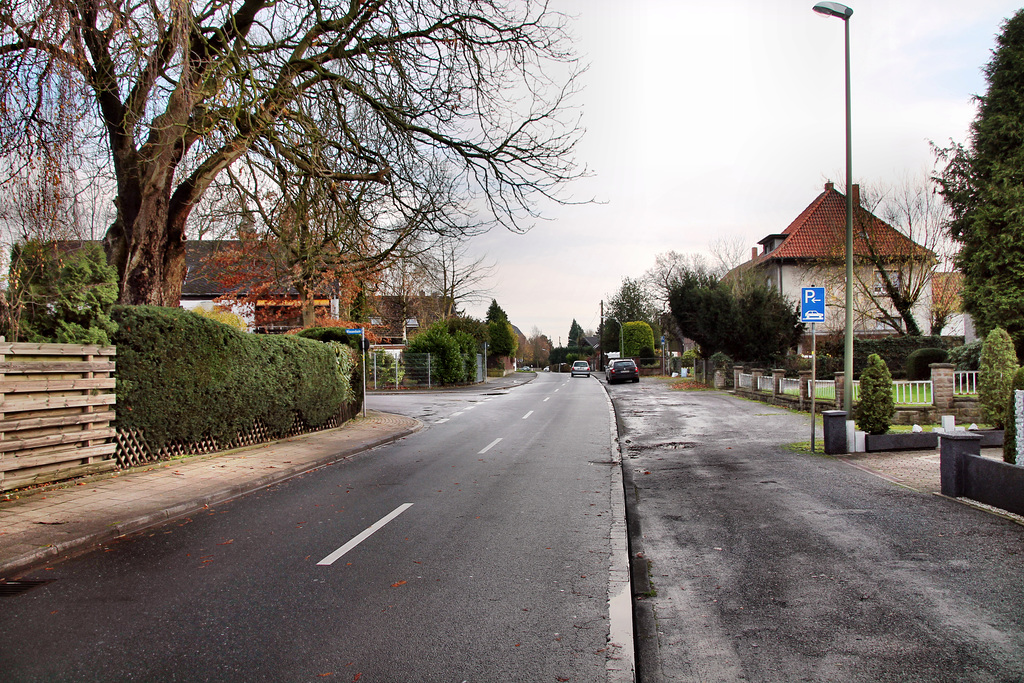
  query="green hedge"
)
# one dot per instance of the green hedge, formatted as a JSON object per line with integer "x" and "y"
{"x": 330, "y": 334}
{"x": 182, "y": 377}
{"x": 894, "y": 350}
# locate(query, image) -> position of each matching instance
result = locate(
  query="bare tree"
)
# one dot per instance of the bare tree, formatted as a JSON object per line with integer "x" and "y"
{"x": 899, "y": 237}
{"x": 458, "y": 277}
{"x": 174, "y": 93}
{"x": 727, "y": 253}
{"x": 667, "y": 272}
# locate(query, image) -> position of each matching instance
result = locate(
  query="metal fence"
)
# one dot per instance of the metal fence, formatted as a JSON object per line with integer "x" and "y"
{"x": 388, "y": 370}
{"x": 965, "y": 383}
{"x": 766, "y": 383}
{"x": 912, "y": 393}
{"x": 822, "y": 388}
{"x": 790, "y": 386}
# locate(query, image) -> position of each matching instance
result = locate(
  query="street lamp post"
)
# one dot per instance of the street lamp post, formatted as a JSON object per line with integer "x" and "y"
{"x": 834, "y": 9}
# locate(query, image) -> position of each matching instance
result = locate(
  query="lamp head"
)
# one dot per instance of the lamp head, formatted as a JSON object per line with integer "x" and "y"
{"x": 833, "y": 9}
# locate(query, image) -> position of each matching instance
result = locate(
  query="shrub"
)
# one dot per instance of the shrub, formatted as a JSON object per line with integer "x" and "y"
{"x": 637, "y": 337}
{"x": 181, "y": 377}
{"x": 966, "y": 357}
{"x": 446, "y": 363}
{"x": 995, "y": 376}
{"x": 222, "y": 315}
{"x": 721, "y": 361}
{"x": 1010, "y": 435}
{"x": 330, "y": 334}
{"x": 875, "y": 409}
{"x": 63, "y": 296}
{"x": 918, "y": 362}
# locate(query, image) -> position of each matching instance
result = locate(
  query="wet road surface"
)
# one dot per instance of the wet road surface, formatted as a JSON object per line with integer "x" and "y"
{"x": 772, "y": 565}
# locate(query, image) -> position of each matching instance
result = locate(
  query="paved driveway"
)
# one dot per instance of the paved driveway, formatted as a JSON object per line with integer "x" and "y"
{"x": 770, "y": 565}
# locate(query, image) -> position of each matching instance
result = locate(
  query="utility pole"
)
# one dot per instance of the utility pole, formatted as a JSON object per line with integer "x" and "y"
{"x": 600, "y": 339}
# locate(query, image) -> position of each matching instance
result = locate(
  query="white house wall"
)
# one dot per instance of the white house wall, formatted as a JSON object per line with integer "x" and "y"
{"x": 796, "y": 277}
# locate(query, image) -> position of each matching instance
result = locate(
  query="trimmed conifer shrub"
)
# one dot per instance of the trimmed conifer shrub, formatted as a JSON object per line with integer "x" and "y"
{"x": 995, "y": 376}
{"x": 1010, "y": 435}
{"x": 875, "y": 409}
{"x": 182, "y": 377}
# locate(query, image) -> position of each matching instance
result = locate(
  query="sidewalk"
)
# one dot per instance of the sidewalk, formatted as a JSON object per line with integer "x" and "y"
{"x": 918, "y": 470}
{"x": 51, "y": 522}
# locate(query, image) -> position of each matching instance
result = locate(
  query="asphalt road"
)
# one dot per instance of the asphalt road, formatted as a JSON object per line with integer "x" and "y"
{"x": 770, "y": 565}
{"x": 490, "y": 563}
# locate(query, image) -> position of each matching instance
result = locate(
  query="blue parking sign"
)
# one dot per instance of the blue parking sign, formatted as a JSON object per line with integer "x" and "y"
{"x": 812, "y": 305}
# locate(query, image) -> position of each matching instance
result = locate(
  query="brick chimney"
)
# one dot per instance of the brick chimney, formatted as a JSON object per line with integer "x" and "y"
{"x": 828, "y": 186}
{"x": 856, "y": 194}
{"x": 753, "y": 253}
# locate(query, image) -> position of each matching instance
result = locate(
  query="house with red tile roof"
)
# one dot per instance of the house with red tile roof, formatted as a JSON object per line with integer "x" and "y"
{"x": 811, "y": 252}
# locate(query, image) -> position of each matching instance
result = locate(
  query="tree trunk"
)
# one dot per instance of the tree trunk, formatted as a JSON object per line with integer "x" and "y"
{"x": 148, "y": 250}
{"x": 308, "y": 304}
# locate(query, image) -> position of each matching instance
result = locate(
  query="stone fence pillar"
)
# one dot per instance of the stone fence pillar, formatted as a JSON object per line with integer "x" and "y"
{"x": 805, "y": 378}
{"x": 840, "y": 387}
{"x": 755, "y": 379}
{"x": 777, "y": 376}
{"x": 942, "y": 385}
{"x": 737, "y": 370}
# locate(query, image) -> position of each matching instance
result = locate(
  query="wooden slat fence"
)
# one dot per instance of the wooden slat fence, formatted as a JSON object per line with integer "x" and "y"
{"x": 56, "y": 412}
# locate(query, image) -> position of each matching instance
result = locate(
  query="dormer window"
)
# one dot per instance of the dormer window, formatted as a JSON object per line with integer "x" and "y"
{"x": 772, "y": 242}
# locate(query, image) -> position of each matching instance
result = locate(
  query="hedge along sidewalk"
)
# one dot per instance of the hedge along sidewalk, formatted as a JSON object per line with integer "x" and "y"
{"x": 52, "y": 523}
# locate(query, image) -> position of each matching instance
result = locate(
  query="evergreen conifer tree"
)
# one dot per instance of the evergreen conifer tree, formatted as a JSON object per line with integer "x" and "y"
{"x": 983, "y": 185}
{"x": 995, "y": 376}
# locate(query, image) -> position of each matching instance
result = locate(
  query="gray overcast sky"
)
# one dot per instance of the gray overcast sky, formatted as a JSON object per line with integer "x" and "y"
{"x": 722, "y": 120}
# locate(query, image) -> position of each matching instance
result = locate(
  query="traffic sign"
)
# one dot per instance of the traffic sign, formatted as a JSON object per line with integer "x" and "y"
{"x": 812, "y": 305}
{"x": 355, "y": 331}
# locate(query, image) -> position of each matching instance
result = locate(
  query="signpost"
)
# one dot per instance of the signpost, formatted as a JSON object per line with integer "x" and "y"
{"x": 363, "y": 347}
{"x": 812, "y": 310}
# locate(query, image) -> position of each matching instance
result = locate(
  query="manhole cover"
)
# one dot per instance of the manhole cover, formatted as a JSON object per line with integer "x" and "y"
{"x": 9, "y": 588}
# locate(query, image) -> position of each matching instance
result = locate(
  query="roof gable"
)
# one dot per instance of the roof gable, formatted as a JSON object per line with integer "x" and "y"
{"x": 819, "y": 233}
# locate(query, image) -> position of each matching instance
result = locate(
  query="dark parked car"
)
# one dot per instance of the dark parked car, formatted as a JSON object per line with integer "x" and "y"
{"x": 622, "y": 370}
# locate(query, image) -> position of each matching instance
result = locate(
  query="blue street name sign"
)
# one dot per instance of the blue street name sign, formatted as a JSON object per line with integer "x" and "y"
{"x": 812, "y": 305}
{"x": 355, "y": 331}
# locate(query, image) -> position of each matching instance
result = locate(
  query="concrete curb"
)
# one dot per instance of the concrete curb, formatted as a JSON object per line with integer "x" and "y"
{"x": 621, "y": 631}
{"x": 645, "y": 628}
{"x": 9, "y": 569}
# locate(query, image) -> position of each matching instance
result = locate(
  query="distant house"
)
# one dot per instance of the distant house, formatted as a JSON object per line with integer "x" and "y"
{"x": 946, "y": 289}
{"x": 810, "y": 252}
{"x": 393, "y": 319}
